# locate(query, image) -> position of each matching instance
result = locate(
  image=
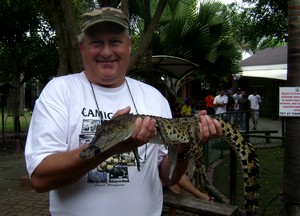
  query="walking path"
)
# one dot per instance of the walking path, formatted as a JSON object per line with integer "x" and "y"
{"x": 16, "y": 199}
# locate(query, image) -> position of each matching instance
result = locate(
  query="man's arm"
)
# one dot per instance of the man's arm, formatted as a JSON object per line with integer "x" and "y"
{"x": 63, "y": 168}
{"x": 60, "y": 169}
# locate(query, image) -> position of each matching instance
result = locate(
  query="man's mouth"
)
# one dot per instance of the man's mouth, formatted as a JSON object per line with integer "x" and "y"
{"x": 105, "y": 61}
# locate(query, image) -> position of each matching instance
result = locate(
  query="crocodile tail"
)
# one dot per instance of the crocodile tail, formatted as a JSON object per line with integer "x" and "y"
{"x": 199, "y": 174}
{"x": 249, "y": 163}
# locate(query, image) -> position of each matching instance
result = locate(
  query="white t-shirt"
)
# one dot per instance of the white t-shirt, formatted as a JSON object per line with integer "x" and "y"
{"x": 236, "y": 97}
{"x": 65, "y": 116}
{"x": 218, "y": 100}
{"x": 254, "y": 100}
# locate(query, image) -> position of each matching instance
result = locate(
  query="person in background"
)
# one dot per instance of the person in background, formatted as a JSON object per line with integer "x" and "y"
{"x": 209, "y": 103}
{"x": 229, "y": 106}
{"x": 186, "y": 109}
{"x": 220, "y": 103}
{"x": 255, "y": 101}
{"x": 66, "y": 116}
{"x": 184, "y": 184}
{"x": 244, "y": 108}
{"x": 193, "y": 105}
{"x": 176, "y": 111}
{"x": 236, "y": 96}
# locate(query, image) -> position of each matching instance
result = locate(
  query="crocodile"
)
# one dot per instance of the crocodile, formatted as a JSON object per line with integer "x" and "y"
{"x": 172, "y": 132}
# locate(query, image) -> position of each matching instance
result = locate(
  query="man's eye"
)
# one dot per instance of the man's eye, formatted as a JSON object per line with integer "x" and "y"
{"x": 115, "y": 42}
{"x": 96, "y": 43}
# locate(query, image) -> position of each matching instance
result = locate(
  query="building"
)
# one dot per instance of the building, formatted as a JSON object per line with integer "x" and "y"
{"x": 265, "y": 71}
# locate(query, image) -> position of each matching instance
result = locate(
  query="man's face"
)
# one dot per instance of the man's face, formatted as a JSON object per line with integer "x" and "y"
{"x": 243, "y": 94}
{"x": 106, "y": 55}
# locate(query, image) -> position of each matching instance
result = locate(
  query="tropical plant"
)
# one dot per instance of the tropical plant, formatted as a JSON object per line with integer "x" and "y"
{"x": 202, "y": 37}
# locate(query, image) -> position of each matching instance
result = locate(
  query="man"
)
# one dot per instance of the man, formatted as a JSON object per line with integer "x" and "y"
{"x": 65, "y": 118}
{"x": 186, "y": 109}
{"x": 209, "y": 103}
{"x": 220, "y": 102}
{"x": 244, "y": 108}
{"x": 229, "y": 106}
{"x": 236, "y": 96}
{"x": 255, "y": 100}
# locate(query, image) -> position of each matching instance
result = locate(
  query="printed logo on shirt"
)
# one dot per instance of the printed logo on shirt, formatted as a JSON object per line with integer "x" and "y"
{"x": 114, "y": 170}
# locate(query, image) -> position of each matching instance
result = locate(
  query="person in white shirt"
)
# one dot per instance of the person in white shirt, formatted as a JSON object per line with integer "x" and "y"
{"x": 220, "y": 102}
{"x": 65, "y": 118}
{"x": 236, "y": 96}
{"x": 255, "y": 101}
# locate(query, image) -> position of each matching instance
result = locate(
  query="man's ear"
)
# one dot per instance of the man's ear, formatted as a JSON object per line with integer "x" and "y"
{"x": 81, "y": 46}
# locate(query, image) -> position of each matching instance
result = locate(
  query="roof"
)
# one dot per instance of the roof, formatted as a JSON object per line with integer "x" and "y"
{"x": 269, "y": 63}
{"x": 169, "y": 65}
{"x": 268, "y": 56}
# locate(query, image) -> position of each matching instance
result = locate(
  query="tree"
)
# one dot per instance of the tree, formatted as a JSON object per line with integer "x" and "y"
{"x": 202, "y": 37}
{"x": 20, "y": 47}
{"x": 147, "y": 37}
{"x": 17, "y": 19}
{"x": 257, "y": 25}
{"x": 61, "y": 15}
{"x": 291, "y": 173}
{"x": 270, "y": 17}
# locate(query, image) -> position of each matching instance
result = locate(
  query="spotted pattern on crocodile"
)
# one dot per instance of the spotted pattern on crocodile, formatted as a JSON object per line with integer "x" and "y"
{"x": 184, "y": 130}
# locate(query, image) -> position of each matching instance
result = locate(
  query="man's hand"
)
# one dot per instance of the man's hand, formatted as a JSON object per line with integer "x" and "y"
{"x": 209, "y": 128}
{"x": 144, "y": 130}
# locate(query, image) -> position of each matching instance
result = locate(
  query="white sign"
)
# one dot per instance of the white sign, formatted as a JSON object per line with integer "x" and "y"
{"x": 289, "y": 101}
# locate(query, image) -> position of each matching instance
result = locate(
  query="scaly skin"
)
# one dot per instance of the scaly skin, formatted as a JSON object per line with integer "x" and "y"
{"x": 182, "y": 131}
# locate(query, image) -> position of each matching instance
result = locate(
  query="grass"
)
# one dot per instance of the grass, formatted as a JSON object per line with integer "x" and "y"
{"x": 9, "y": 122}
{"x": 270, "y": 180}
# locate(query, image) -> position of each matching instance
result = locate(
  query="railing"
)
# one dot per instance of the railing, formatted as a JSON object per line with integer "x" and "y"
{"x": 219, "y": 145}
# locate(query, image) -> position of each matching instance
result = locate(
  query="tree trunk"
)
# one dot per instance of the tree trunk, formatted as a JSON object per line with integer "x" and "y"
{"x": 148, "y": 73}
{"x": 72, "y": 32}
{"x": 53, "y": 12}
{"x": 149, "y": 33}
{"x": 125, "y": 7}
{"x": 291, "y": 172}
{"x": 64, "y": 22}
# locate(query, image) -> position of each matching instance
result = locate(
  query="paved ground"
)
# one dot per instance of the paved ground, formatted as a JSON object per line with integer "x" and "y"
{"x": 16, "y": 200}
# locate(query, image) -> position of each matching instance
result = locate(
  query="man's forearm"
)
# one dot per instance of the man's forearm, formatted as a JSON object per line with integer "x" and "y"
{"x": 61, "y": 169}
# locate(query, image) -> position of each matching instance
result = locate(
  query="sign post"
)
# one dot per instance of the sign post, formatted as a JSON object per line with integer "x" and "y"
{"x": 289, "y": 101}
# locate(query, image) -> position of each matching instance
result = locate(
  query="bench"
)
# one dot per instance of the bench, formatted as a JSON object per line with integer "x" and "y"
{"x": 267, "y": 135}
{"x": 188, "y": 203}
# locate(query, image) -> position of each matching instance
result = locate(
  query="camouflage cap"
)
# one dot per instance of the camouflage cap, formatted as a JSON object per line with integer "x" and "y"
{"x": 105, "y": 14}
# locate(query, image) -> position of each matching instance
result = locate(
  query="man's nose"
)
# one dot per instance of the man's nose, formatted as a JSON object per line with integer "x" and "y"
{"x": 107, "y": 50}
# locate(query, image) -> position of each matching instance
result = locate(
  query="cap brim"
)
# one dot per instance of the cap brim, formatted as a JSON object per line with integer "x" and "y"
{"x": 96, "y": 22}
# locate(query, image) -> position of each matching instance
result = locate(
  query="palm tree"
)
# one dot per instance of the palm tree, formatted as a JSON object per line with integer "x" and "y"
{"x": 200, "y": 36}
{"x": 291, "y": 172}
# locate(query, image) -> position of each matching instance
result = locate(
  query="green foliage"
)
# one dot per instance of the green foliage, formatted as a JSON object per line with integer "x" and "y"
{"x": 271, "y": 172}
{"x": 9, "y": 122}
{"x": 16, "y": 18}
{"x": 257, "y": 25}
{"x": 203, "y": 38}
{"x": 270, "y": 17}
{"x": 40, "y": 59}
{"x": 26, "y": 44}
